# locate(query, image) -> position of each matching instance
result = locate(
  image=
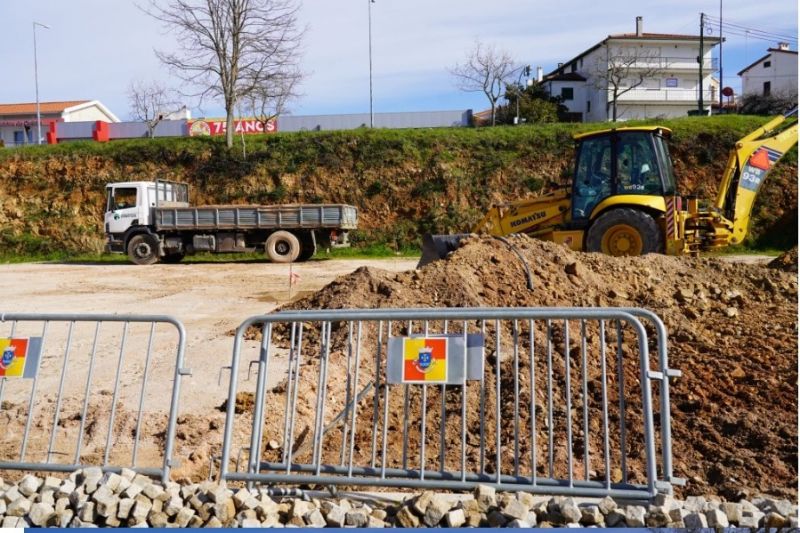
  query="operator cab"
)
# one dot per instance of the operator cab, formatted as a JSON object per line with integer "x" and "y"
{"x": 622, "y": 161}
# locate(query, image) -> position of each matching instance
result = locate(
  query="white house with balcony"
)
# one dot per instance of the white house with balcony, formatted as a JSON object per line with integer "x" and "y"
{"x": 655, "y": 75}
{"x": 775, "y": 73}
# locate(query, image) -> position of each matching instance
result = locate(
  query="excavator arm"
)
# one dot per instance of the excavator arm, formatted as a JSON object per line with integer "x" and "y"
{"x": 748, "y": 165}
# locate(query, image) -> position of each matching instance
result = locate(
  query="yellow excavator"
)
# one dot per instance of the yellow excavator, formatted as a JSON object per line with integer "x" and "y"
{"x": 623, "y": 199}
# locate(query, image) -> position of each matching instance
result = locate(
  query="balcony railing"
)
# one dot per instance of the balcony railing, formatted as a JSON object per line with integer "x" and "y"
{"x": 665, "y": 95}
{"x": 673, "y": 63}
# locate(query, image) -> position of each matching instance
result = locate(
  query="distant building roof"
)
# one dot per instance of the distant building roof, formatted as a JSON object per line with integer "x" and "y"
{"x": 569, "y": 76}
{"x": 759, "y": 60}
{"x": 44, "y": 107}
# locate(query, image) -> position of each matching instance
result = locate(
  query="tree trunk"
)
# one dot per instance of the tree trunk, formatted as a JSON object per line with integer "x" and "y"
{"x": 494, "y": 114}
{"x": 229, "y": 126}
{"x": 615, "y": 104}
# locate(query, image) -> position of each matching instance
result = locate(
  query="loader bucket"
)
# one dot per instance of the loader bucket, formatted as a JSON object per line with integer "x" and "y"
{"x": 435, "y": 247}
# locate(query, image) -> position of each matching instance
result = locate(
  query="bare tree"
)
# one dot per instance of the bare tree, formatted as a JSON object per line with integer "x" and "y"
{"x": 484, "y": 70}
{"x": 625, "y": 71}
{"x": 229, "y": 48}
{"x": 269, "y": 100}
{"x": 150, "y": 103}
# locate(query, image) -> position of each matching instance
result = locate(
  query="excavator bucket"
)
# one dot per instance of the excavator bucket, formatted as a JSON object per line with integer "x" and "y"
{"x": 435, "y": 247}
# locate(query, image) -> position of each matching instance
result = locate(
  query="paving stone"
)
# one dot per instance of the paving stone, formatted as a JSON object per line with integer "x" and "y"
{"x": 128, "y": 474}
{"x": 406, "y": 517}
{"x": 615, "y": 518}
{"x": 591, "y": 515}
{"x": 315, "y": 519}
{"x": 124, "y": 507}
{"x": 63, "y": 518}
{"x": 716, "y": 518}
{"x": 183, "y": 517}
{"x": 247, "y": 522}
{"x": 695, "y": 504}
{"x": 657, "y": 516}
{"x": 157, "y": 519}
{"x": 65, "y": 488}
{"x": 773, "y": 520}
{"x": 519, "y": 523}
{"x": 40, "y": 514}
{"x": 420, "y": 503}
{"x": 356, "y": 517}
{"x": 455, "y": 518}
{"x": 50, "y": 483}
{"x": 570, "y": 510}
{"x": 214, "y": 522}
{"x": 486, "y": 497}
{"x": 141, "y": 509}
{"x": 12, "y": 494}
{"x": 515, "y": 509}
{"x": 334, "y": 515}
{"x": 19, "y": 507}
{"x": 606, "y": 505}
{"x": 153, "y": 491}
{"x": 695, "y": 520}
{"x": 86, "y": 513}
{"x": 29, "y": 485}
{"x": 436, "y": 510}
{"x": 733, "y": 511}
{"x": 635, "y": 515}
{"x": 16, "y": 522}
{"x": 376, "y": 523}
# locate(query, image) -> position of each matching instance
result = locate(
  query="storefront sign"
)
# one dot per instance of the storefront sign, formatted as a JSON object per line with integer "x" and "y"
{"x": 218, "y": 126}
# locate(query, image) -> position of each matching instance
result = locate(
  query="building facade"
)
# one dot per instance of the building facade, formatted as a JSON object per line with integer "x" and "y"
{"x": 773, "y": 74}
{"x": 18, "y": 121}
{"x": 654, "y": 75}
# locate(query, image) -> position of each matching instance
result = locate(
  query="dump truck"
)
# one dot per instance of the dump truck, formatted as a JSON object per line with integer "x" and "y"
{"x": 153, "y": 221}
{"x": 623, "y": 200}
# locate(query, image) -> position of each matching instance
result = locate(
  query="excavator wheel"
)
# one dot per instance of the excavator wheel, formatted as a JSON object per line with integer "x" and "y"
{"x": 625, "y": 231}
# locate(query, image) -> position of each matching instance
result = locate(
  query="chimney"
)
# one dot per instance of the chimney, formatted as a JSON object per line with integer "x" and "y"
{"x": 638, "y": 26}
{"x": 783, "y": 46}
{"x": 539, "y": 74}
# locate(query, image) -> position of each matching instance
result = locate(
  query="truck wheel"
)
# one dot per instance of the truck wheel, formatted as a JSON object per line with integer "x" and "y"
{"x": 282, "y": 247}
{"x": 173, "y": 258}
{"x": 143, "y": 249}
{"x": 625, "y": 231}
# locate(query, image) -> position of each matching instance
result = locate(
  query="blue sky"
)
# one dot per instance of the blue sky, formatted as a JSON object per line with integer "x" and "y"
{"x": 95, "y": 48}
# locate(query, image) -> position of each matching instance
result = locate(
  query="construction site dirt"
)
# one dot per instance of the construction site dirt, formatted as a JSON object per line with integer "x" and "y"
{"x": 732, "y": 333}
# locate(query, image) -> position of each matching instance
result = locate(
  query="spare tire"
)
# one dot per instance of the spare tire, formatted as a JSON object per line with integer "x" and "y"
{"x": 625, "y": 231}
{"x": 282, "y": 247}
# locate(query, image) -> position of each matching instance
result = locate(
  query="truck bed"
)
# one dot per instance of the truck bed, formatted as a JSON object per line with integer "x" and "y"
{"x": 308, "y": 216}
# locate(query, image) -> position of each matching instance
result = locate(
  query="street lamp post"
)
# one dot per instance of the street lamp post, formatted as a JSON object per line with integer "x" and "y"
{"x": 371, "y": 113}
{"x": 36, "y": 80}
{"x": 525, "y": 71}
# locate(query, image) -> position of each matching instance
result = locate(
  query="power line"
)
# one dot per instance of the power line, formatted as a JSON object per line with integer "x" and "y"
{"x": 752, "y": 30}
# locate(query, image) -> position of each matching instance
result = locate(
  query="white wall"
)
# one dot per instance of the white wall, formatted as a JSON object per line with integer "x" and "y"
{"x": 782, "y": 75}
{"x": 91, "y": 112}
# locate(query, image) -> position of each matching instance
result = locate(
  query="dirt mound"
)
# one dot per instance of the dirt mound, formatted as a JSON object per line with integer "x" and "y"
{"x": 787, "y": 261}
{"x": 730, "y": 436}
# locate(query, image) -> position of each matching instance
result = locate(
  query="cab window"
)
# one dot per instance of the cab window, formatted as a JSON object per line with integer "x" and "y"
{"x": 123, "y": 198}
{"x": 637, "y": 164}
{"x": 592, "y": 176}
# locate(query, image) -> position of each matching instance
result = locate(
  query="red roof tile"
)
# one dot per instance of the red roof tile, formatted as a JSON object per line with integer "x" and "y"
{"x": 44, "y": 107}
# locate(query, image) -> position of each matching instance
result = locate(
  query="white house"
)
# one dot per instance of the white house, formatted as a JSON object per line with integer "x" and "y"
{"x": 775, "y": 73}
{"x": 18, "y": 121}
{"x": 669, "y": 62}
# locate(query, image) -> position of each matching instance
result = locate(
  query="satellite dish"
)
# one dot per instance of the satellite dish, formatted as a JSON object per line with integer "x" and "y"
{"x": 727, "y": 91}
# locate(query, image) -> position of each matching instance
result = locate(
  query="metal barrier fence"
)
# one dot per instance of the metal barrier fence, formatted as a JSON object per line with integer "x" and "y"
{"x": 60, "y": 400}
{"x": 557, "y": 401}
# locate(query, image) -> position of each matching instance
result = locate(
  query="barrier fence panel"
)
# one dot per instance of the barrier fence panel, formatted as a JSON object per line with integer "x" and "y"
{"x": 557, "y": 401}
{"x": 80, "y": 390}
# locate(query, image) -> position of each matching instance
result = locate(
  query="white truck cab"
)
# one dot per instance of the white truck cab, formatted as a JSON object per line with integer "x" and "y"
{"x": 131, "y": 203}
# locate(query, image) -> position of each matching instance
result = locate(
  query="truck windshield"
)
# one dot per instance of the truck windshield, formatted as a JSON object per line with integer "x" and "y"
{"x": 124, "y": 197}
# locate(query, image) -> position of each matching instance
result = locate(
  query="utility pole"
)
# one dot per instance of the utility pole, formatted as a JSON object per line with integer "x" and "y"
{"x": 700, "y": 62}
{"x": 721, "y": 85}
{"x": 371, "y": 112}
{"x": 36, "y": 81}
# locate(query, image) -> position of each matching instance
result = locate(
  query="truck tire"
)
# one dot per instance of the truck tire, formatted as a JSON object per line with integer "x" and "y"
{"x": 282, "y": 247}
{"x": 308, "y": 247}
{"x": 143, "y": 249}
{"x": 625, "y": 231}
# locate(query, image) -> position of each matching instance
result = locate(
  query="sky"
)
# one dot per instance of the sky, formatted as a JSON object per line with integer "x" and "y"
{"x": 94, "y": 49}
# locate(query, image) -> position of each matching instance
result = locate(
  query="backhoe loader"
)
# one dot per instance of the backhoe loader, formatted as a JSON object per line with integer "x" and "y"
{"x": 623, "y": 199}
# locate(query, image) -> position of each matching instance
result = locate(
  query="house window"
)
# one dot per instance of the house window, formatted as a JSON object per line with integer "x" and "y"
{"x": 767, "y": 64}
{"x": 567, "y": 93}
{"x": 588, "y": 106}
{"x": 767, "y": 88}
{"x": 671, "y": 82}
{"x": 574, "y": 67}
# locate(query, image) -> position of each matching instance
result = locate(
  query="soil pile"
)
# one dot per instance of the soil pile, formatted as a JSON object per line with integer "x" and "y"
{"x": 734, "y": 410}
{"x": 786, "y": 261}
